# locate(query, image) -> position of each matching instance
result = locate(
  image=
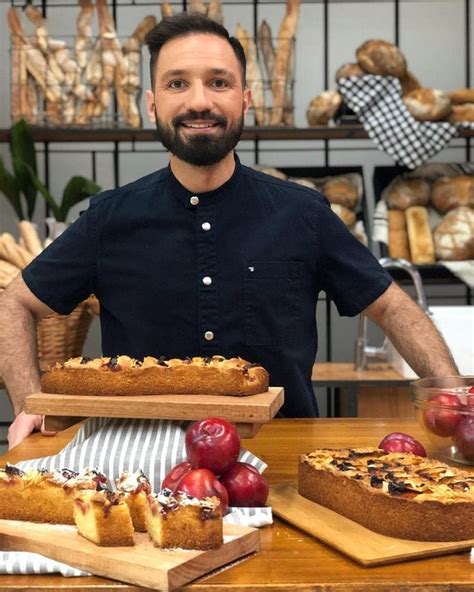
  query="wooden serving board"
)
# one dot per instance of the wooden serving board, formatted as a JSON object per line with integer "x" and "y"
{"x": 141, "y": 565}
{"x": 361, "y": 544}
{"x": 248, "y": 413}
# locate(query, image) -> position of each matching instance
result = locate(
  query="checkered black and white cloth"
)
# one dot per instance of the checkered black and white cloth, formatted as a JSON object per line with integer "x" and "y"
{"x": 113, "y": 446}
{"x": 377, "y": 100}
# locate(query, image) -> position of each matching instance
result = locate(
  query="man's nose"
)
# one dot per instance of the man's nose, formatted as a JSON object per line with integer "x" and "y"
{"x": 199, "y": 98}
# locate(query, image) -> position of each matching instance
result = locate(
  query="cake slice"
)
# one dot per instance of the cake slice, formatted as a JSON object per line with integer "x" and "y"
{"x": 185, "y": 522}
{"x": 103, "y": 518}
{"x": 396, "y": 494}
{"x": 133, "y": 488}
{"x": 39, "y": 495}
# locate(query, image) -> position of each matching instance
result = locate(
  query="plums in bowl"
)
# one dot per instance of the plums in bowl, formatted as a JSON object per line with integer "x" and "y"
{"x": 464, "y": 437}
{"x": 401, "y": 442}
{"x": 441, "y": 417}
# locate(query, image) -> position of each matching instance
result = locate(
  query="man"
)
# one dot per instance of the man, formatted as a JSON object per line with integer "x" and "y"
{"x": 207, "y": 256}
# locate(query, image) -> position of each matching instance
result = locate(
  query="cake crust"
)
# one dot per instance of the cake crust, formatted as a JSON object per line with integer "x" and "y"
{"x": 398, "y": 494}
{"x": 122, "y": 375}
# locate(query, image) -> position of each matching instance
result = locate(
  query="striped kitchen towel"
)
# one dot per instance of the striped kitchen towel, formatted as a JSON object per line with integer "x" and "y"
{"x": 114, "y": 446}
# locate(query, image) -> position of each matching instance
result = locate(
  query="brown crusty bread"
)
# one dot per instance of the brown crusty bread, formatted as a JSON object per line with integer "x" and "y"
{"x": 398, "y": 494}
{"x": 397, "y": 235}
{"x": 341, "y": 189}
{"x": 451, "y": 192}
{"x": 461, "y": 96}
{"x": 122, "y": 375}
{"x": 405, "y": 193}
{"x": 428, "y": 104}
{"x": 376, "y": 56}
{"x": 409, "y": 82}
{"x": 420, "y": 237}
{"x": 462, "y": 113}
{"x": 454, "y": 235}
{"x": 349, "y": 69}
{"x": 323, "y": 107}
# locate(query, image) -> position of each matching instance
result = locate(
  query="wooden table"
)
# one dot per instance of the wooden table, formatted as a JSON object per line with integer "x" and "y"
{"x": 290, "y": 560}
{"x": 343, "y": 376}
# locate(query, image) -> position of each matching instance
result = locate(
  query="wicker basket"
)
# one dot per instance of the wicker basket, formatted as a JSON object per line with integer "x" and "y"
{"x": 62, "y": 336}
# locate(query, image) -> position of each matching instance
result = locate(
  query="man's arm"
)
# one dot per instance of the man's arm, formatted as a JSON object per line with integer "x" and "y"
{"x": 412, "y": 333}
{"x": 20, "y": 311}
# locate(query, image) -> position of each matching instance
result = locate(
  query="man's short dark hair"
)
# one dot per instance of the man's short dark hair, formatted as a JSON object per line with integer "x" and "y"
{"x": 188, "y": 23}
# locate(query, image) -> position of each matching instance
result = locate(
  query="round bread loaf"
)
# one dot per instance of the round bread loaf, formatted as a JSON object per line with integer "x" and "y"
{"x": 381, "y": 57}
{"x": 428, "y": 104}
{"x": 405, "y": 193}
{"x": 461, "y": 96}
{"x": 349, "y": 70}
{"x": 454, "y": 235}
{"x": 462, "y": 113}
{"x": 346, "y": 215}
{"x": 409, "y": 82}
{"x": 323, "y": 107}
{"x": 451, "y": 192}
{"x": 341, "y": 190}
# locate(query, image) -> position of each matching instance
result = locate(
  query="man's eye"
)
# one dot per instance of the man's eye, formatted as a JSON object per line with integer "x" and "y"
{"x": 176, "y": 84}
{"x": 219, "y": 83}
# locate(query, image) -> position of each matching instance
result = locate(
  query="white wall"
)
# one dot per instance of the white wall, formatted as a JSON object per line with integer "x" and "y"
{"x": 431, "y": 36}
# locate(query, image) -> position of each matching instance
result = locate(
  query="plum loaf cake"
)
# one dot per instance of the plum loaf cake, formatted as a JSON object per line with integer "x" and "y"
{"x": 397, "y": 494}
{"x": 122, "y": 375}
{"x": 185, "y": 522}
{"x": 39, "y": 495}
{"x": 133, "y": 488}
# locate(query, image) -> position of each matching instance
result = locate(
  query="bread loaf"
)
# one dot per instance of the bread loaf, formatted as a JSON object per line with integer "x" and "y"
{"x": 461, "y": 96}
{"x": 349, "y": 70}
{"x": 381, "y": 57}
{"x": 462, "y": 113}
{"x": 346, "y": 215}
{"x": 122, "y": 375}
{"x": 409, "y": 82}
{"x": 399, "y": 494}
{"x": 405, "y": 193}
{"x": 397, "y": 235}
{"x": 451, "y": 192}
{"x": 323, "y": 107}
{"x": 341, "y": 190}
{"x": 454, "y": 235}
{"x": 420, "y": 237}
{"x": 428, "y": 104}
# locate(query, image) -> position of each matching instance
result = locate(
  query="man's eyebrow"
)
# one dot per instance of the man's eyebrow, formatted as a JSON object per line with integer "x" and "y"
{"x": 183, "y": 72}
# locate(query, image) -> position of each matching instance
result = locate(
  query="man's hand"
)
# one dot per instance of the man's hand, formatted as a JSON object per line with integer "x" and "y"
{"x": 23, "y": 425}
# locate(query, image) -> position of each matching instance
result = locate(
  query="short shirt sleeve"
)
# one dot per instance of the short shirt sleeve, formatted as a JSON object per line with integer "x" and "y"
{"x": 350, "y": 275}
{"x": 64, "y": 274}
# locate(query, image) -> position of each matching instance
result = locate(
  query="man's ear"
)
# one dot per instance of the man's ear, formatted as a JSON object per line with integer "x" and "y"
{"x": 150, "y": 106}
{"x": 247, "y": 99}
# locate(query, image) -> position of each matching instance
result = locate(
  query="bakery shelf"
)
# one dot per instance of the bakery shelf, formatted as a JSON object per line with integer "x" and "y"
{"x": 340, "y": 132}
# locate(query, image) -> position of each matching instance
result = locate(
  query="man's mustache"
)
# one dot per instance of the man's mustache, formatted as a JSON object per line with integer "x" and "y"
{"x": 198, "y": 116}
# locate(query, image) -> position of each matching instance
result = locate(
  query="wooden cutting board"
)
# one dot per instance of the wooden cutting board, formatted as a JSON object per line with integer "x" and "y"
{"x": 364, "y": 546}
{"x": 141, "y": 565}
{"x": 248, "y": 413}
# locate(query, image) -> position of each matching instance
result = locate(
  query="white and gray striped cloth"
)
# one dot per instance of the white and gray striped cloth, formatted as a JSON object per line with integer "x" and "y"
{"x": 113, "y": 446}
{"x": 377, "y": 101}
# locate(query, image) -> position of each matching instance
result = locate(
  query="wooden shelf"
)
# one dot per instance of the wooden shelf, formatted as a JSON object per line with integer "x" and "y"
{"x": 340, "y": 132}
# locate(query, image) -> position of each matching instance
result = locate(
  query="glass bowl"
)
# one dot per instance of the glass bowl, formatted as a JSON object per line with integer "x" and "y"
{"x": 445, "y": 410}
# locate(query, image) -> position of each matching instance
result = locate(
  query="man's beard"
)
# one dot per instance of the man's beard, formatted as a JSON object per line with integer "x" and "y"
{"x": 199, "y": 149}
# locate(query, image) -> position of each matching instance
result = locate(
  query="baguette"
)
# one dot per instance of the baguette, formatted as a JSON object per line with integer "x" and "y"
{"x": 398, "y": 494}
{"x": 122, "y": 375}
{"x": 397, "y": 235}
{"x": 30, "y": 237}
{"x": 420, "y": 237}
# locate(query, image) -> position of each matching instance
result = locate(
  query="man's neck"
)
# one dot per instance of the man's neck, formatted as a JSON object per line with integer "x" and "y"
{"x": 200, "y": 179}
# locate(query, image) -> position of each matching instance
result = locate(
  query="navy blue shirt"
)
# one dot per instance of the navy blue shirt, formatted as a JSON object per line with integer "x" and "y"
{"x": 235, "y": 272}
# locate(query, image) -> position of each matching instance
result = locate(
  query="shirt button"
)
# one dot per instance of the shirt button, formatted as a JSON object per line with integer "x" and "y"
{"x": 208, "y": 335}
{"x": 207, "y": 281}
{"x": 206, "y": 226}
{"x": 194, "y": 200}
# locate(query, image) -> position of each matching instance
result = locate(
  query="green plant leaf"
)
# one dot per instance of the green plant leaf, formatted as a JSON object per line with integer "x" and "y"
{"x": 76, "y": 190}
{"x": 23, "y": 150}
{"x": 9, "y": 187}
{"x": 44, "y": 192}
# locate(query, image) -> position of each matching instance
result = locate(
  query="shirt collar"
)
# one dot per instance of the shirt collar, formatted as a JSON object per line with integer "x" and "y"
{"x": 184, "y": 195}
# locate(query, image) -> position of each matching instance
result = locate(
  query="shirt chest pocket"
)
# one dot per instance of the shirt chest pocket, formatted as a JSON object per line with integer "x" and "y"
{"x": 272, "y": 301}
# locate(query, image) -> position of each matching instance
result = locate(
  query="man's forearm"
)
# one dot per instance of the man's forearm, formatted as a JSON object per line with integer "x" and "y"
{"x": 18, "y": 352}
{"x": 414, "y": 335}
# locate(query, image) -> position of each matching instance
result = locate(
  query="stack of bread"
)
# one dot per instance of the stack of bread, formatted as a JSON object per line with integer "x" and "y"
{"x": 383, "y": 58}
{"x": 344, "y": 193}
{"x": 14, "y": 256}
{"x": 430, "y": 221}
